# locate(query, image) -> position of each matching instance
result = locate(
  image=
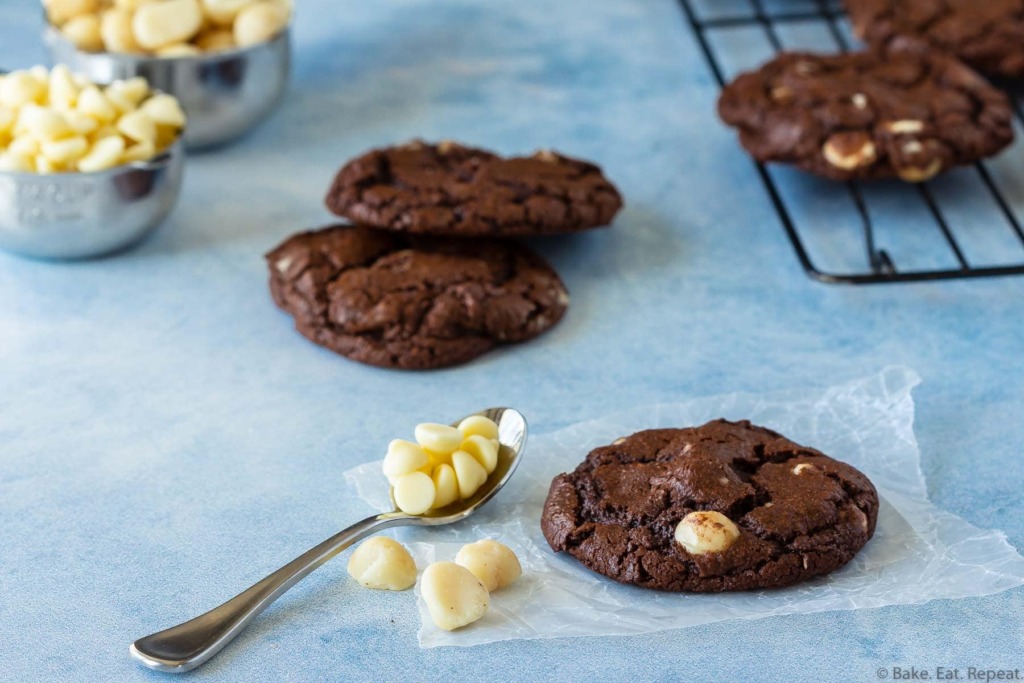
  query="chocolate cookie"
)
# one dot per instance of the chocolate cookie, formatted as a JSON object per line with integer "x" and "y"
{"x": 987, "y": 34}
{"x": 782, "y": 513}
{"x": 909, "y": 112}
{"x": 412, "y": 302}
{"x": 448, "y": 189}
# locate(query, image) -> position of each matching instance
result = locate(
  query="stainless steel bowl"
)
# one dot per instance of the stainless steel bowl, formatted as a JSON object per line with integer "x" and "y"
{"x": 81, "y": 215}
{"x": 224, "y": 94}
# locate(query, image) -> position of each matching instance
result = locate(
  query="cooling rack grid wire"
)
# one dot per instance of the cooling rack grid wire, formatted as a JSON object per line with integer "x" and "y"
{"x": 964, "y": 224}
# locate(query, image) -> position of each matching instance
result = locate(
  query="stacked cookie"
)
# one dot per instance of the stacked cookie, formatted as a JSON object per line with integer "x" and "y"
{"x": 907, "y": 107}
{"x": 426, "y": 275}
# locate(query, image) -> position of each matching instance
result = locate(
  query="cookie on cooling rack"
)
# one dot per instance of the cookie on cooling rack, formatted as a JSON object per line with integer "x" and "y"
{"x": 397, "y": 301}
{"x": 723, "y": 507}
{"x": 457, "y": 191}
{"x": 905, "y": 111}
{"x": 987, "y": 34}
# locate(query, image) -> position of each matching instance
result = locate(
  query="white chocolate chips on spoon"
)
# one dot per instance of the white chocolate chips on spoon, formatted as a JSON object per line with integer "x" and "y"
{"x": 445, "y": 465}
{"x": 58, "y": 122}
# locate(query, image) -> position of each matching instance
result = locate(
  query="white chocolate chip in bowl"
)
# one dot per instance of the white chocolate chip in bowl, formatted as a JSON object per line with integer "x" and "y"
{"x": 55, "y": 122}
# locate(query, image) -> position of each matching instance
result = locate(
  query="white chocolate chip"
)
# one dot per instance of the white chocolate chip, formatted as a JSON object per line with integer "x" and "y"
{"x": 859, "y": 100}
{"x": 446, "y": 484}
{"x": 382, "y": 563}
{"x": 470, "y": 474}
{"x": 438, "y": 438}
{"x": 904, "y": 127}
{"x": 164, "y": 110}
{"x": 20, "y": 88}
{"x": 282, "y": 267}
{"x": 137, "y": 126}
{"x": 446, "y": 146}
{"x": 62, "y": 90}
{"x": 493, "y": 563}
{"x": 913, "y": 174}
{"x": 43, "y": 123}
{"x": 483, "y": 450}
{"x": 805, "y": 68}
{"x": 105, "y": 153}
{"x": 804, "y": 466}
{"x": 140, "y": 151}
{"x": 454, "y": 597}
{"x": 414, "y": 493}
{"x": 781, "y": 94}
{"x": 805, "y": 562}
{"x": 850, "y": 150}
{"x": 478, "y": 424}
{"x": 706, "y": 531}
{"x": 65, "y": 151}
{"x": 403, "y": 457}
{"x": 723, "y": 481}
{"x": 619, "y": 440}
{"x": 546, "y": 155}
{"x": 94, "y": 103}
{"x": 16, "y": 163}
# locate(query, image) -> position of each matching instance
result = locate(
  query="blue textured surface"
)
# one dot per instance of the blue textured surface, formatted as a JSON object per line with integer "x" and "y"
{"x": 166, "y": 439}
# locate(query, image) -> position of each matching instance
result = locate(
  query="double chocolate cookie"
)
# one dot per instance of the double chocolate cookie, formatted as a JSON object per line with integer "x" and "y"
{"x": 906, "y": 111}
{"x": 453, "y": 190}
{"x": 722, "y": 507}
{"x": 987, "y": 34}
{"x": 412, "y": 302}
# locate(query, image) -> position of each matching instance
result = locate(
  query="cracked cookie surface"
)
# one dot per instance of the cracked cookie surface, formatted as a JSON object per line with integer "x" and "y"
{"x": 907, "y": 112}
{"x": 449, "y": 189}
{"x": 987, "y": 34}
{"x": 800, "y": 513}
{"x": 412, "y": 302}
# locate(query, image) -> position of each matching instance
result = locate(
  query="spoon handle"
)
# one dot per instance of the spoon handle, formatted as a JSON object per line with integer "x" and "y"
{"x": 185, "y": 646}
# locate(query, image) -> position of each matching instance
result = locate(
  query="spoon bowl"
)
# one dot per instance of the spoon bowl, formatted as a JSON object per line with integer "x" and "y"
{"x": 188, "y": 645}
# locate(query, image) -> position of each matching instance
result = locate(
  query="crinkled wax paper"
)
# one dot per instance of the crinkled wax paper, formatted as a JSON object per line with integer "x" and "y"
{"x": 918, "y": 553}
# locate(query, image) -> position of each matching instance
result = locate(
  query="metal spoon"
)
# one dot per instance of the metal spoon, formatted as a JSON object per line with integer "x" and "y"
{"x": 184, "y": 647}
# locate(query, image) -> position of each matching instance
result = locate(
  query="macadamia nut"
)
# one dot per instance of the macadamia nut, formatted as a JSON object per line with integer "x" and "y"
{"x": 454, "y": 597}
{"x": 168, "y": 28}
{"x": 382, "y": 563}
{"x": 259, "y": 22}
{"x": 493, "y": 563}
{"x": 706, "y": 531}
{"x": 58, "y": 122}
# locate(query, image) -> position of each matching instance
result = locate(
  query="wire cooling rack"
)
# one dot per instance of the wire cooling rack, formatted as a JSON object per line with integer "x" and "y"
{"x": 965, "y": 224}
